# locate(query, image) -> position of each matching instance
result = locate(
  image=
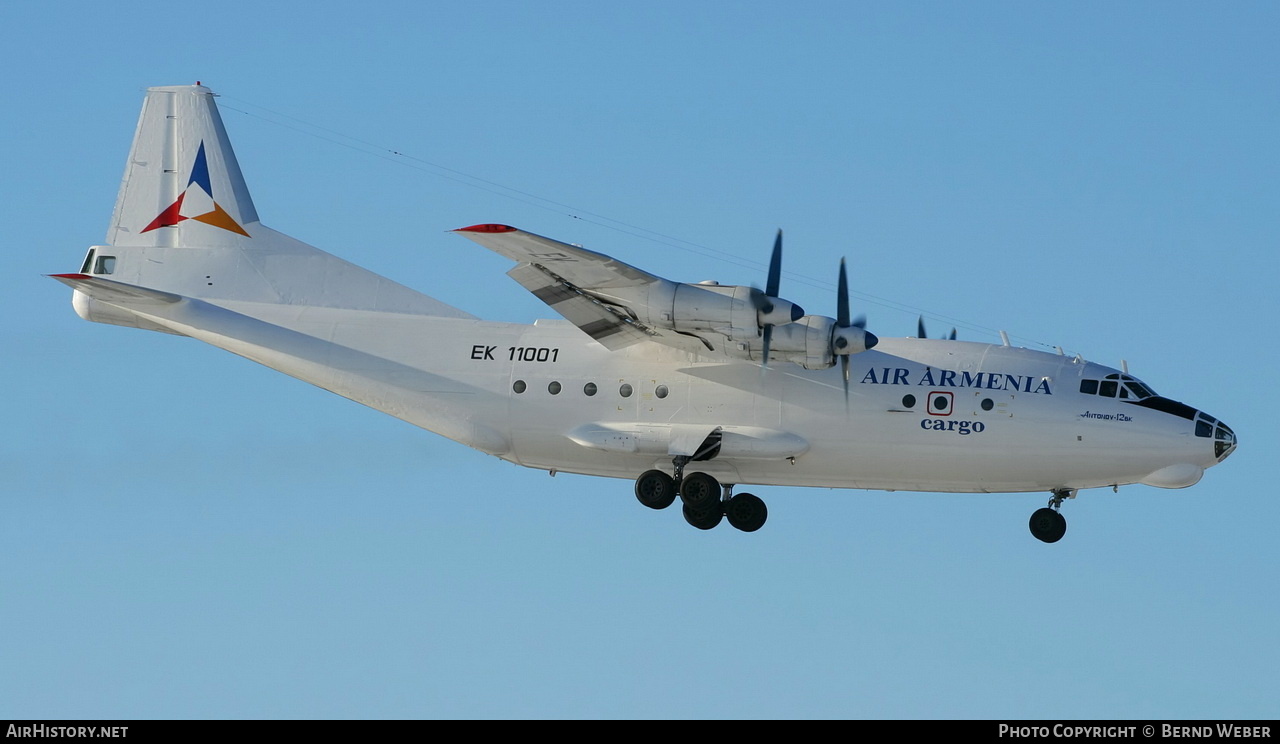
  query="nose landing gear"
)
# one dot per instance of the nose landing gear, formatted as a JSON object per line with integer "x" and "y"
{"x": 1047, "y": 523}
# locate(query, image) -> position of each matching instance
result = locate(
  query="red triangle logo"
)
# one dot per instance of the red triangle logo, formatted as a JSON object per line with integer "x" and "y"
{"x": 169, "y": 217}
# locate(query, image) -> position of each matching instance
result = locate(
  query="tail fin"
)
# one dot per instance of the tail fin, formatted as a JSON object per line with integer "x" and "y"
{"x": 182, "y": 183}
{"x": 184, "y": 223}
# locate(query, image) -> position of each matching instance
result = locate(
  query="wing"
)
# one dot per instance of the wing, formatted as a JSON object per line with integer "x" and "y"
{"x": 611, "y": 301}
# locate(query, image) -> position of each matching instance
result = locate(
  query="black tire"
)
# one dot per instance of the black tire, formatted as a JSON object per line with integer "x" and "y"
{"x": 704, "y": 518}
{"x": 699, "y": 490}
{"x": 655, "y": 489}
{"x": 746, "y": 512}
{"x": 1047, "y": 525}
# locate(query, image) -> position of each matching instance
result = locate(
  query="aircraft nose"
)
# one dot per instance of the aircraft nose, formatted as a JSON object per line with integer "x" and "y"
{"x": 1224, "y": 439}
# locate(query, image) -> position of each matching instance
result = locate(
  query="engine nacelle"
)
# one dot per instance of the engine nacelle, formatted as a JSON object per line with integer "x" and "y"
{"x": 814, "y": 342}
{"x": 806, "y": 342}
{"x": 699, "y": 309}
{"x": 729, "y": 311}
{"x": 737, "y": 315}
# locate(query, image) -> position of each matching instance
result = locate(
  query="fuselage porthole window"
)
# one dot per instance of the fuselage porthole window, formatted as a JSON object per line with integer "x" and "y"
{"x": 589, "y": 389}
{"x": 553, "y": 388}
{"x": 518, "y": 386}
{"x": 988, "y": 404}
{"x": 625, "y": 390}
{"x": 661, "y": 391}
{"x": 908, "y": 401}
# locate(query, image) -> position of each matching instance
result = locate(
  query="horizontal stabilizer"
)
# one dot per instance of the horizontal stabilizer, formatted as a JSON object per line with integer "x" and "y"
{"x": 107, "y": 290}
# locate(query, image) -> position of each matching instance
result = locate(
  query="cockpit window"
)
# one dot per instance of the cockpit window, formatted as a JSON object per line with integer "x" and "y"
{"x": 1224, "y": 440}
{"x": 1117, "y": 385}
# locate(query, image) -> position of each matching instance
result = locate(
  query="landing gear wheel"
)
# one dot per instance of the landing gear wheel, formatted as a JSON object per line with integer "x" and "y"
{"x": 746, "y": 512}
{"x": 655, "y": 489}
{"x": 700, "y": 491}
{"x": 1048, "y": 525}
{"x": 703, "y": 517}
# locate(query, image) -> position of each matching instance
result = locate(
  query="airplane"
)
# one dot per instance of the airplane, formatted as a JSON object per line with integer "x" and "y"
{"x": 690, "y": 390}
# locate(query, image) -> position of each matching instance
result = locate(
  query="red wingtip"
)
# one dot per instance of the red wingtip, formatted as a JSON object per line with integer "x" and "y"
{"x": 488, "y": 228}
{"x": 70, "y": 276}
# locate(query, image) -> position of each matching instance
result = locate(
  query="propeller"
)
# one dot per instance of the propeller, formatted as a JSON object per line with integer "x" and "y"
{"x": 770, "y": 310}
{"x": 843, "y": 344}
{"x": 920, "y": 330}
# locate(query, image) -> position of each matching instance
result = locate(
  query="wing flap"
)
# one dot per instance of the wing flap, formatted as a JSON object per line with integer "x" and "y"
{"x": 608, "y": 326}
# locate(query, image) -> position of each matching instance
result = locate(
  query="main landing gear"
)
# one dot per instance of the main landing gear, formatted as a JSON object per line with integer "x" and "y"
{"x": 704, "y": 500}
{"x": 1047, "y": 523}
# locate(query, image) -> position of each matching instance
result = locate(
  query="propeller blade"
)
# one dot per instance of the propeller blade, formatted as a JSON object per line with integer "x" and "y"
{"x": 775, "y": 267}
{"x": 842, "y": 321}
{"x": 767, "y": 302}
{"x": 842, "y": 299}
{"x": 859, "y": 322}
{"x": 844, "y": 370}
{"x": 920, "y": 327}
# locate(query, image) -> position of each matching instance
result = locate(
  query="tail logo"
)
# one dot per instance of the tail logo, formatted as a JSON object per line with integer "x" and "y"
{"x": 196, "y": 203}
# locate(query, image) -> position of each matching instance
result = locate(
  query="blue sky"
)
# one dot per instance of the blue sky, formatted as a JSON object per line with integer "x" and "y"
{"x": 186, "y": 534}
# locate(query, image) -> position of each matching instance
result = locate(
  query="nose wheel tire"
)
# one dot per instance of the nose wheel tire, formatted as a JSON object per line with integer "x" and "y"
{"x": 1048, "y": 525}
{"x": 655, "y": 489}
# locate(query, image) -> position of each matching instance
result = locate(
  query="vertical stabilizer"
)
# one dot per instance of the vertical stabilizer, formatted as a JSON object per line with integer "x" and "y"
{"x": 181, "y": 184}
{"x": 184, "y": 224}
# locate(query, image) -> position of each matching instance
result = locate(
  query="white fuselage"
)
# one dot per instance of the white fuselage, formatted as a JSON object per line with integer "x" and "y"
{"x": 458, "y": 377}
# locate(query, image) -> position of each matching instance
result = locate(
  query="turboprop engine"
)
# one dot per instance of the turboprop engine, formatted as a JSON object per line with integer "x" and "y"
{"x": 758, "y": 324}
